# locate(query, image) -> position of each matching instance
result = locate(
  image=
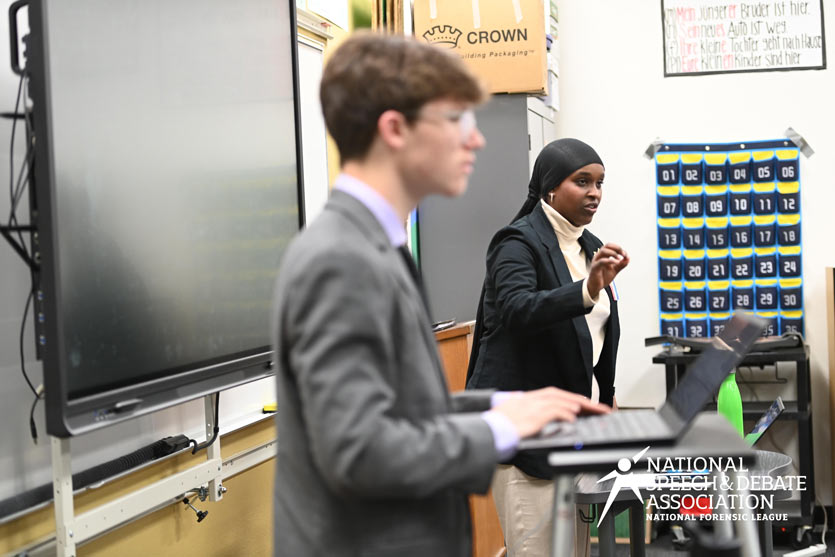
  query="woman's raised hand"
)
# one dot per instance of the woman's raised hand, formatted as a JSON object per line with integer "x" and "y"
{"x": 607, "y": 262}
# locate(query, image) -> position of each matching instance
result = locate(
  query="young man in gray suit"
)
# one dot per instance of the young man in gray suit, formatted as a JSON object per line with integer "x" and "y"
{"x": 375, "y": 457}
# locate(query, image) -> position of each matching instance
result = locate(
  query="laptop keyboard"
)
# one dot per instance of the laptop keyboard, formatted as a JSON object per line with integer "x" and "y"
{"x": 627, "y": 424}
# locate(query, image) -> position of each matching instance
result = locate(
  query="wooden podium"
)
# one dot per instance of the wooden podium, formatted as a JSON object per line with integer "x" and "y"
{"x": 454, "y": 346}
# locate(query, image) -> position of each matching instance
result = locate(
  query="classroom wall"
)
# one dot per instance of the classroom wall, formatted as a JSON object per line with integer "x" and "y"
{"x": 614, "y": 96}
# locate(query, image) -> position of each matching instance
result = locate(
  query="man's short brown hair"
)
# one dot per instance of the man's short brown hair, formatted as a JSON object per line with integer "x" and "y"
{"x": 371, "y": 73}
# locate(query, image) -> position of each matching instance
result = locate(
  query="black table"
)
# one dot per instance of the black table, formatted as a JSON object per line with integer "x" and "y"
{"x": 675, "y": 363}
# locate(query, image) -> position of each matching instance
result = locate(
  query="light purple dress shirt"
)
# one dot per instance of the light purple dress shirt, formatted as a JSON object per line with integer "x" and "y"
{"x": 377, "y": 204}
{"x": 505, "y": 437}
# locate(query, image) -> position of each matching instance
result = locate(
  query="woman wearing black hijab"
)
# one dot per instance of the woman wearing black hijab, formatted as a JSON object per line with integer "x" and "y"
{"x": 547, "y": 316}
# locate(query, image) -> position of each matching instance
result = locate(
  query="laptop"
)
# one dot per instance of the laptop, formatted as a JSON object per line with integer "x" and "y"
{"x": 765, "y": 421}
{"x": 664, "y": 426}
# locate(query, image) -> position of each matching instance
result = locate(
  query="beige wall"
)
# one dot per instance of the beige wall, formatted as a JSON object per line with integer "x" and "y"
{"x": 240, "y": 524}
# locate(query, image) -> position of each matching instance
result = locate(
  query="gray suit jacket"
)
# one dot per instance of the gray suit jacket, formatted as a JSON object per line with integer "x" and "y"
{"x": 374, "y": 456}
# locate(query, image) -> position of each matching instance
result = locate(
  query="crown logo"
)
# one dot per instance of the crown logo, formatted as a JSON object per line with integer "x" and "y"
{"x": 446, "y": 36}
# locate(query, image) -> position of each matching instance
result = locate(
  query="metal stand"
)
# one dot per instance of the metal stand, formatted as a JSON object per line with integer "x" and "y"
{"x": 562, "y": 542}
{"x": 213, "y": 450}
{"x": 710, "y": 435}
{"x": 71, "y": 530}
{"x": 746, "y": 527}
{"x": 62, "y": 492}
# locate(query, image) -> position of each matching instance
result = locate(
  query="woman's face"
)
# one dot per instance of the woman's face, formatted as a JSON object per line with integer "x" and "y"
{"x": 579, "y": 195}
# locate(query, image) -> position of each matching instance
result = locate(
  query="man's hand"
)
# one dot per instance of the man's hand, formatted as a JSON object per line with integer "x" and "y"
{"x": 605, "y": 265}
{"x": 530, "y": 411}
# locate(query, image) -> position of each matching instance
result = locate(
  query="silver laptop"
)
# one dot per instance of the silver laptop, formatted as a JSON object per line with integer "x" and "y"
{"x": 640, "y": 427}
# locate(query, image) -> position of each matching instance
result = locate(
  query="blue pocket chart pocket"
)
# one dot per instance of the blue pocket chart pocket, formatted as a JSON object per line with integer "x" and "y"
{"x": 742, "y": 264}
{"x": 669, "y": 203}
{"x": 719, "y": 296}
{"x": 791, "y": 322}
{"x": 741, "y": 232}
{"x": 739, "y": 199}
{"x": 669, "y": 265}
{"x": 716, "y": 233}
{"x": 692, "y": 233}
{"x": 716, "y": 169}
{"x": 791, "y": 294}
{"x": 788, "y": 198}
{"x": 788, "y": 230}
{"x": 762, "y": 166}
{"x": 696, "y": 325}
{"x": 768, "y": 298}
{"x": 694, "y": 265}
{"x": 691, "y": 169}
{"x": 695, "y": 298}
{"x": 672, "y": 324}
{"x": 739, "y": 167}
{"x": 671, "y": 297}
{"x": 788, "y": 169}
{"x": 692, "y": 201}
{"x": 763, "y": 199}
{"x": 717, "y": 322}
{"x": 667, "y": 169}
{"x": 743, "y": 294}
{"x": 716, "y": 201}
{"x": 772, "y": 323}
{"x": 765, "y": 231}
{"x": 669, "y": 234}
{"x": 765, "y": 262}
{"x": 718, "y": 264}
{"x": 789, "y": 262}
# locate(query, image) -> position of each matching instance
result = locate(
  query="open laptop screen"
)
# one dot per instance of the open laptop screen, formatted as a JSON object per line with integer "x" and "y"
{"x": 722, "y": 355}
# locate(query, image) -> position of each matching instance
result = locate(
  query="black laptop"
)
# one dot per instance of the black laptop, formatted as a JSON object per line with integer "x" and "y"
{"x": 662, "y": 427}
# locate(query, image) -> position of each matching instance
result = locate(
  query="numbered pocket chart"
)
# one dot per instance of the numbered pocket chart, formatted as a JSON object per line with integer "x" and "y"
{"x": 729, "y": 236}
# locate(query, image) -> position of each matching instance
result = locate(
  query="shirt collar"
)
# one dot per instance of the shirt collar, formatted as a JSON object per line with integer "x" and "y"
{"x": 381, "y": 209}
{"x": 566, "y": 232}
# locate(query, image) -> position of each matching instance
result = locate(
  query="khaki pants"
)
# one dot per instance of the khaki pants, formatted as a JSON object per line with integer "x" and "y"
{"x": 525, "y": 506}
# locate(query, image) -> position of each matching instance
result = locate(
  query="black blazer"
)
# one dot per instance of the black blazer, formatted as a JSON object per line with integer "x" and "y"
{"x": 534, "y": 324}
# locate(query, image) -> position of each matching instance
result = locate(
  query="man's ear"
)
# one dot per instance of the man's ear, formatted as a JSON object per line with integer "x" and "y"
{"x": 392, "y": 128}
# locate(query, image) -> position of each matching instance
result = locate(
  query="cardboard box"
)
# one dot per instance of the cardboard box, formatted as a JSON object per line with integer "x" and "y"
{"x": 503, "y": 41}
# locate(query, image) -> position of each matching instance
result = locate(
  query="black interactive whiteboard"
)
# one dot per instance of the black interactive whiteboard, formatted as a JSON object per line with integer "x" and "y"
{"x": 168, "y": 185}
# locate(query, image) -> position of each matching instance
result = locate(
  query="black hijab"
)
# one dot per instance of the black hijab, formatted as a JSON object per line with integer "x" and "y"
{"x": 557, "y": 161}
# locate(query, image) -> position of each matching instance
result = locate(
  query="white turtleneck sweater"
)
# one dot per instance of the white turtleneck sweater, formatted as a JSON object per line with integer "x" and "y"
{"x": 578, "y": 266}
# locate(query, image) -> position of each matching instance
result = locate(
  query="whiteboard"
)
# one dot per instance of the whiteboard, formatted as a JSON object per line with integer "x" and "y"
{"x": 721, "y": 36}
{"x": 314, "y": 138}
